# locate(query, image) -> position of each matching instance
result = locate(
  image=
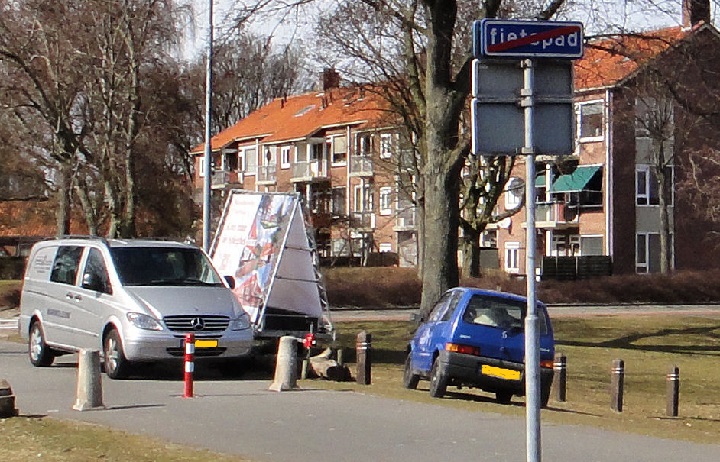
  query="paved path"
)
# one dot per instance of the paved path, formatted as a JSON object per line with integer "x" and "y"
{"x": 243, "y": 417}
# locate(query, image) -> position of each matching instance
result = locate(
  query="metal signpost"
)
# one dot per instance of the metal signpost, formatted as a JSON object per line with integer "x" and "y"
{"x": 533, "y": 98}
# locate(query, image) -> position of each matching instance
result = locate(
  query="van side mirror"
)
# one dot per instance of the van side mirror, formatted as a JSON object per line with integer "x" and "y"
{"x": 230, "y": 281}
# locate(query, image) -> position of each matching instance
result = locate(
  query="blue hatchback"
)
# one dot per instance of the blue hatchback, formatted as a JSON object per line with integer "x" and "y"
{"x": 476, "y": 338}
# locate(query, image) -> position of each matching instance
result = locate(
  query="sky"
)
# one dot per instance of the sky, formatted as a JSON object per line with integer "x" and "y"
{"x": 623, "y": 15}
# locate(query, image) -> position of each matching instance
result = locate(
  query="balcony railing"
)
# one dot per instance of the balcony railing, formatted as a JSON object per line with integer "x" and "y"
{"x": 555, "y": 214}
{"x": 405, "y": 219}
{"x": 226, "y": 178}
{"x": 267, "y": 174}
{"x": 307, "y": 171}
{"x": 361, "y": 165}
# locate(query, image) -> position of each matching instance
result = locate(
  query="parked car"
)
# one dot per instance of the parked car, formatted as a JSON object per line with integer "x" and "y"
{"x": 134, "y": 300}
{"x": 475, "y": 338}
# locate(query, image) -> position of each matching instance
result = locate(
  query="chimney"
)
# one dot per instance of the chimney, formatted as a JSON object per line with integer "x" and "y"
{"x": 331, "y": 79}
{"x": 694, "y": 11}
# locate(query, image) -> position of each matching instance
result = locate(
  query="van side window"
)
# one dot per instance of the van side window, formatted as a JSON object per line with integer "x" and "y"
{"x": 65, "y": 266}
{"x": 95, "y": 276}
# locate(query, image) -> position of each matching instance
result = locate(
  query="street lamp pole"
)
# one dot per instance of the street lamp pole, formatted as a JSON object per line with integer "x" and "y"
{"x": 207, "y": 183}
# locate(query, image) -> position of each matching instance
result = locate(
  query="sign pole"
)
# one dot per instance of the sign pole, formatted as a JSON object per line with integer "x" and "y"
{"x": 532, "y": 353}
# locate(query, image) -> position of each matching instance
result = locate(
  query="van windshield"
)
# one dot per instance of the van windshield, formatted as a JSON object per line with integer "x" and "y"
{"x": 164, "y": 266}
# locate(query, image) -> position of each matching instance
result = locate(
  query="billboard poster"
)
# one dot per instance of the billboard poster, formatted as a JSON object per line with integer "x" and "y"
{"x": 249, "y": 243}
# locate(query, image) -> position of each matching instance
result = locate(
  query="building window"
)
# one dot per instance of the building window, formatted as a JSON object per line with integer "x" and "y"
{"x": 513, "y": 193}
{"x": 512, "y": 257}
{"x": 591, "y": 245}
{"x": 285, "y": 157}
{"x": 590, "y": 120}
{"x": 339, "y": 150}
{"x": 363, "y": 199}
{"x": 386, "y": 145}
{"x": 364, "y": 144}
{"x": 385, "y": 200}
{"x": 201, "y": 166}
{"x": 647, "y": 253}
{"x": 646, "y": 185}
{"x": 338, "y": 201}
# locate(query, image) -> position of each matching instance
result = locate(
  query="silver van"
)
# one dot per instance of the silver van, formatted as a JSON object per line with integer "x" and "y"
{"x": 134, "y": 300}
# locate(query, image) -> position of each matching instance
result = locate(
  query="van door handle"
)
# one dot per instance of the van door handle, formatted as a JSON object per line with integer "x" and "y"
{"x": 72, "y": 296}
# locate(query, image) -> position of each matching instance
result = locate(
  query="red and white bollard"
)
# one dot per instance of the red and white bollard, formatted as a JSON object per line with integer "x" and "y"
{"x": 189, "y": 364}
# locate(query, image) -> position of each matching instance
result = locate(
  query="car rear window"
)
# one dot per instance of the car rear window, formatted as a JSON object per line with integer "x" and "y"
{"x": 500, "y": 313}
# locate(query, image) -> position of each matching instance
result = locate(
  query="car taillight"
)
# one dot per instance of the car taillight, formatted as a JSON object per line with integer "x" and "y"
{"x": 546, "y": 363}
{"x": 465, "y": 349}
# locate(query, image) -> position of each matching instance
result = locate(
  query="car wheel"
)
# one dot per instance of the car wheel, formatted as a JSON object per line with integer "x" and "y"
{"x": 116, "y": 366}
{"x": 503, "y": 397}
{"x": 438, "y": 380}
{"x": 40, "y": 354}
{"x": 410, "y": 380}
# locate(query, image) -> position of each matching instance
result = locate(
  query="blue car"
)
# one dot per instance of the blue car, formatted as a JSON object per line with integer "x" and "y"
{"x": 476, "y": 338}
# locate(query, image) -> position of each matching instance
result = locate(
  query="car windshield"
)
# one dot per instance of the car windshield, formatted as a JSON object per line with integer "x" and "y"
{"x": 500, "y": 313}
{"x": 164, "y": 266}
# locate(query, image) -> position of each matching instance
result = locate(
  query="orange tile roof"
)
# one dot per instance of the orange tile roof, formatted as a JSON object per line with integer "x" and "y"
{"x": 297, "y": 117}
{"x": 608, "y": 61}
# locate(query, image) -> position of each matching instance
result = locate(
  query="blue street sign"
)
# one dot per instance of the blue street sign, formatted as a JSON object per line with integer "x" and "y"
{"x": 527, "y": 39}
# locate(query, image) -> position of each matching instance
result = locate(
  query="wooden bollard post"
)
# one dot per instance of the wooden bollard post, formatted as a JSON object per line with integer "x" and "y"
{"x": 560, "y": 379}
{"x": 363, "y": 348}
{"x": 617, "y": 380}
{"x": 673, "y": 392}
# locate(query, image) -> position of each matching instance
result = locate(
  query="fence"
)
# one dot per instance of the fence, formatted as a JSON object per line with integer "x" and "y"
{"x": 572, "y": 268}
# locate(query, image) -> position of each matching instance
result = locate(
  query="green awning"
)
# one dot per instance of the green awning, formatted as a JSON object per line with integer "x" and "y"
{"x": 540, "y": 181}
{"x": 577, "y": 180}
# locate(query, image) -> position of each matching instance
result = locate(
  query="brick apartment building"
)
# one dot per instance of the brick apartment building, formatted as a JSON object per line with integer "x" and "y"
{"x": 610, "y": 205}
{"x": 338, "y": 148}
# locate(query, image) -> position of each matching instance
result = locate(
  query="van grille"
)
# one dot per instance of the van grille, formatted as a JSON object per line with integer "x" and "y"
{"x": 199, "y": 324}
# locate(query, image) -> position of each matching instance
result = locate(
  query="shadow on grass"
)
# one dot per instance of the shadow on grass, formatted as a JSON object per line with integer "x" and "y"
{"x": 627, "y": 342}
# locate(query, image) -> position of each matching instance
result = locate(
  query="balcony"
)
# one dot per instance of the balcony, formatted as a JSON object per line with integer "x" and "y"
{"x": 361, "y": 165}
{"x": 556, "y": 215}
{"x": 266, "y": 175}
{"x": 225, "y": 179}
{"x": 364, "y": 221}
{"x": 309, "y": 172}
{"x": 405, "y": 220}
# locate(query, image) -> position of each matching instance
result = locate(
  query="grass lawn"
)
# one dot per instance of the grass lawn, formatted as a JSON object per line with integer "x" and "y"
{"x": 649, "y": 345}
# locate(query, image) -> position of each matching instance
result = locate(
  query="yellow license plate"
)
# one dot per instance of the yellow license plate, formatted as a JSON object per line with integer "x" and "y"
{"x": 507, "y": 374}
{"x": 201, "y": 343}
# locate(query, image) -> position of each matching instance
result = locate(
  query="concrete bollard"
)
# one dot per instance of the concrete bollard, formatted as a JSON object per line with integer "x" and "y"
{"x": 673, "y": 392}
{"x": 340, "y": 357}
{"x": 617, "y": 381}
{"x": 364, "y": 358}
{"x": 89, "y": 383}
{"x": 286, "y": 365}
{"x": 560, "y": 379}
{"x": 7, "y": 400}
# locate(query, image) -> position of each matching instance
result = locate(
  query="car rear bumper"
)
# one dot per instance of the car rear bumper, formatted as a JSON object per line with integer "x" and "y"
{"x": 468, "y": 370}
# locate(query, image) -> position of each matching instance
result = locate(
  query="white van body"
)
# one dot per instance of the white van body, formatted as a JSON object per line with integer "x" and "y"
{"x": 134, "y": 300}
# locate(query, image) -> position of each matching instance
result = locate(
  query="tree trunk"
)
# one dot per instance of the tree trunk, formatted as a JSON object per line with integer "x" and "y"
{"x": 64, "y": 199}
{"x": 665, "y": 232}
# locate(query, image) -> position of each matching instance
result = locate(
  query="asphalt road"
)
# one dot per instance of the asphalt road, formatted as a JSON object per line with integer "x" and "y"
{"x": 242, "y": 417}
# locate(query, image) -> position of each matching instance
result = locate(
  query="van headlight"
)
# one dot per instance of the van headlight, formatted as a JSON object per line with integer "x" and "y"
{"x": 242, "y": 322}
{"x": 143, "y": 321}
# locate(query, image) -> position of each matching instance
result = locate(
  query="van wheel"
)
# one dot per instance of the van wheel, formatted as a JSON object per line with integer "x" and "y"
{"x": 544, "y": 396}
{"x": 503, "y": 397}
{"x": 40, "y": 354}
{"x": 410, "y": 380}
{"x": 116, "y": 366}
{"x": 438, "y": 380}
